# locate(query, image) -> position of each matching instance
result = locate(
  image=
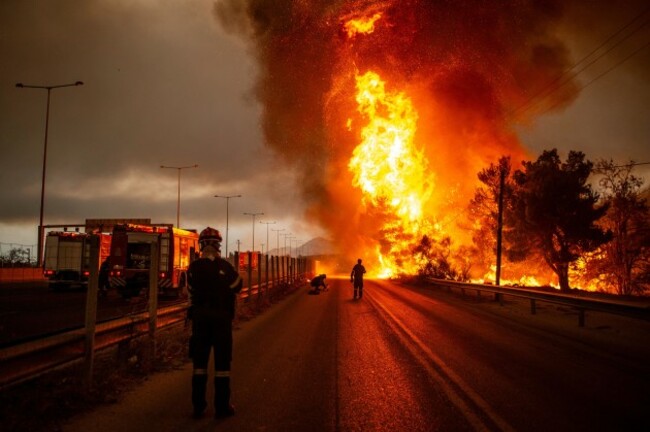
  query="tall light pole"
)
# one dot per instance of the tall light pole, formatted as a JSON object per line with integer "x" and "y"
{"x": 285, "y": 242}
{"x": 178, "y": 203}
{"x": 47, "y": 122}
{"x": 277, "y": 247}
{"x": 267, "y": 233}
{"x": 227, "y": 197}
{"x": 253, "y": 214}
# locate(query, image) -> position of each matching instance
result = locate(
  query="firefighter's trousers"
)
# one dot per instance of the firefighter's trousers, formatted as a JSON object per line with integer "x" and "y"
{"x": 208, "y": 334}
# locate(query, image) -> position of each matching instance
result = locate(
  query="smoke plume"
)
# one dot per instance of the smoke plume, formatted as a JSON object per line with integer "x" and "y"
{"x": 468, "y": 67}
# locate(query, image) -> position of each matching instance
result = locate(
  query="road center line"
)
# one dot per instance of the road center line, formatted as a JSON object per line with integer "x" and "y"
{"x": 431, "y": 357}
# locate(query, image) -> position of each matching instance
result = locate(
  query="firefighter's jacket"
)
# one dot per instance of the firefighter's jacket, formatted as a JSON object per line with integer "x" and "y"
{"x": 214, "y": 285}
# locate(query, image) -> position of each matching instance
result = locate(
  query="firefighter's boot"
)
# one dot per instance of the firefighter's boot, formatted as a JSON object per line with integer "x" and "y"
{"x": 199, "y": 385}
{"x": 356, "y": 292}
{"x": 222, "y": 406}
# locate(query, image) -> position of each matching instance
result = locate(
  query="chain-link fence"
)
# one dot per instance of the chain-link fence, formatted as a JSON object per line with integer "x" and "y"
{"x": 18, "y": 255}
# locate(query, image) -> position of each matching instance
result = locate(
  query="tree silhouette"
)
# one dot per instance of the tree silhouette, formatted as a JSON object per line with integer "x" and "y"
{"x": 626, "y": 259}
{"x": 554, "y": 212}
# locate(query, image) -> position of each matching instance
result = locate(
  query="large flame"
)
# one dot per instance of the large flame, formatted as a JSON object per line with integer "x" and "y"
{"x": 388, "y": 168}
{"x": 375, "y": 102}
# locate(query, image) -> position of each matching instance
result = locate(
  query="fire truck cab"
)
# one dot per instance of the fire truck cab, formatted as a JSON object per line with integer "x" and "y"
{"x": 130, "y": 259}
{"x": 67, "y": 258}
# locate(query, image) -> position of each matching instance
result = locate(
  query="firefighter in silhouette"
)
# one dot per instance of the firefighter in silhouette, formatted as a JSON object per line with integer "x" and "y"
{"x": 213, "y": 285}
{"x": 356, "y": 277}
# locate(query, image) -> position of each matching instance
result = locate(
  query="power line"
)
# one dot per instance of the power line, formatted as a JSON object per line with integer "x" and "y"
{"x": 617, "y": 65}
{"x": 560, "y": 81}
{"x": 631, "y": 164}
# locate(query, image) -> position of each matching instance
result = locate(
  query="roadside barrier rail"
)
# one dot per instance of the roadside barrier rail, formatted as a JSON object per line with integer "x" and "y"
{"x": 580, "y": 304}
{"x": 29, "y": 360}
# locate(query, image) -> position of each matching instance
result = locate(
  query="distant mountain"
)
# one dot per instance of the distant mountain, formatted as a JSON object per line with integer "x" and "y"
{"x": 316, "y": 246}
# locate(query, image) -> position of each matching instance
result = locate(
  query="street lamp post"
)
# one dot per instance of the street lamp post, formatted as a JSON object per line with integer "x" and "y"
{"x": 287, "y": 235}
{"x": 47, "y": 122}
{"x": 267, "y": 234}
{"x": 227, "y": 197}
{"x": 277, "y": 247}
{"x": 253, "y": 215}
{"x": 178, "y": 202}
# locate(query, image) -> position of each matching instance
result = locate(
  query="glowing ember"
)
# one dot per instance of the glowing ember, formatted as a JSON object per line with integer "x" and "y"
{"x": 388, "y": 168}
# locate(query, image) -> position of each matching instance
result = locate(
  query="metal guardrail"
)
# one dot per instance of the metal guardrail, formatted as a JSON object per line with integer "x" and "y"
{"x": 29, "y": 360}
{"x": 581, "y": 304}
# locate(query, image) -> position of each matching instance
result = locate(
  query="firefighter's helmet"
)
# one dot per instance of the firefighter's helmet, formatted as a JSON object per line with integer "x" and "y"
{"x": 210, "y": 237}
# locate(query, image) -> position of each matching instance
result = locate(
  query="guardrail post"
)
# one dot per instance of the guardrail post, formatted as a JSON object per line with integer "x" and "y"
{"x": 91, "y": 312}
{"x": 533, "y": 307}
{"x": 259, "y": 276}
{"x": 154, "y": 267}
{"x": 266, "y": 271}
{"x": 250, "y": 274}
{"x": 277, "y": 272}
{"x": 273, "y": 283}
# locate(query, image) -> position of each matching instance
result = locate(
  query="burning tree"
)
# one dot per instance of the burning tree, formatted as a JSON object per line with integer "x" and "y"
{"x": 436, "y": 261}
{"x": 555, "y": 212}
{"x": 624, "y": 262}
{"x": 484, "y": 209}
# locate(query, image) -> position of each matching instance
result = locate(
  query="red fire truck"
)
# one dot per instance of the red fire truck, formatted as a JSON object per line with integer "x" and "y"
{"x": 67, "y": 258}
{"x": 130, "y": 258}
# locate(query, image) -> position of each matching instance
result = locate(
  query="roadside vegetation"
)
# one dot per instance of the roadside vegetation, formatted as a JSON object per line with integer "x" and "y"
{"x": 552, "y": 217}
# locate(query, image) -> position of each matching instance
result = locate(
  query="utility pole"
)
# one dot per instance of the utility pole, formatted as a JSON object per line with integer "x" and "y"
{"x": 500, "y": 226}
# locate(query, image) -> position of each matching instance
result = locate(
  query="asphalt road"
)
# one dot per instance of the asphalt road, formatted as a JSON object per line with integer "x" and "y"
{"x": 405, "y": 359}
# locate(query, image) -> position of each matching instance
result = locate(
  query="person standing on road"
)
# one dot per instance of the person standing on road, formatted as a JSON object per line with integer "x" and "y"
{"x": 213, "y": 286}
{"x": 356, "y": 277}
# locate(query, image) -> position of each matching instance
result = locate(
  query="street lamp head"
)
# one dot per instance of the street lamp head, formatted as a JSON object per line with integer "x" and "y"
{"x": 20, "y": 85}
{"x": 78, "y": 83}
